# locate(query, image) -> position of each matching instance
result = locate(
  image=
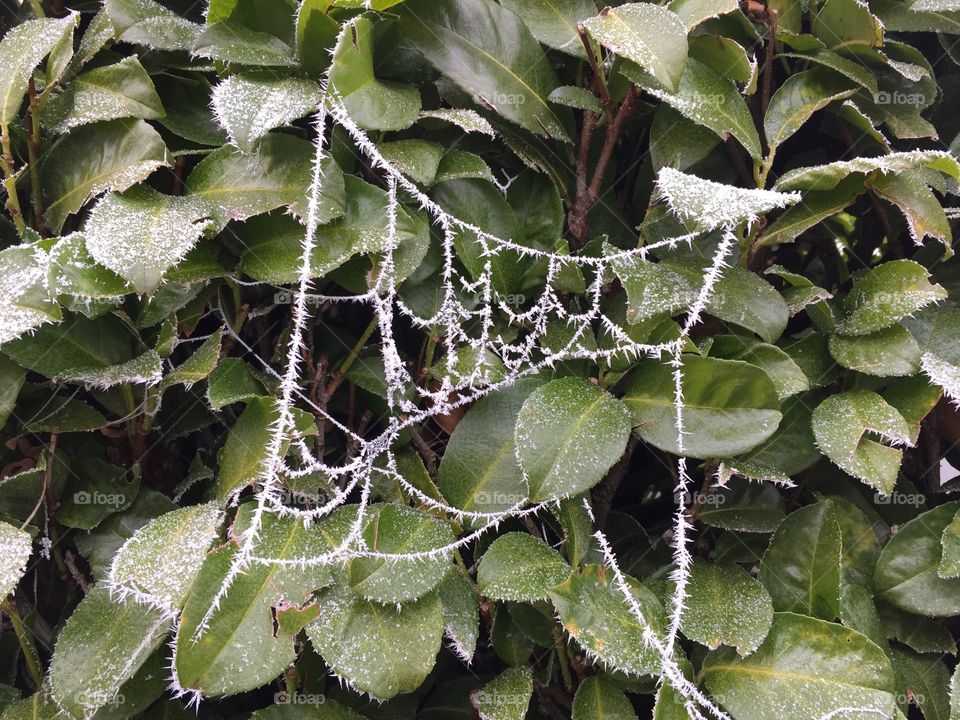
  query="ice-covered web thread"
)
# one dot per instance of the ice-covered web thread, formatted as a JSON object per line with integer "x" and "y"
{"x": 467, "y": 316}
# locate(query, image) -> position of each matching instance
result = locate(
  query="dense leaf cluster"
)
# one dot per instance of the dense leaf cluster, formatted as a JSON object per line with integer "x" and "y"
{"x": 476, "y": 358}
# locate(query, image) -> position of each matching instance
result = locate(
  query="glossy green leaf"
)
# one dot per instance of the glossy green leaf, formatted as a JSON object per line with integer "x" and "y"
{"x": 21, "y": 50}
{"x": 396, "y": 529}
{"x": 17, "y": 546}
{"x": 96, "y": 158}
{"x": 234, "y": 186}
{"x": 102, "y": 645}
{"x": 149, "y": 23}
{"x": 159, "y": 563}
{"x": 507, "y": 696}
{"x": 382, "y": 650}
{"x": 599, "y": 698}
{"x": 141, "y": 234}
{"x": 569, "y": 433}
{"x": 249, "y": 105}
{"x": 801, "y": 567}
{"x": 709, "y": 99}
{"x": 246, "y": 642}
{"x": 107, "y": 93}
{"x": 374, "y": 104}
{"x": 806, "y": 668}
{"x": 798, "y": 99}
{"x": 489, "y": 52}
{"x": 461, "y": 614}
{"x": 729, "y": 406}
{"x": 907, "y": 572}
{"x": 521, "y": 568}
{"x": 726, "y": 606}
{"x": 841, "y": 424}
{"x": 554, "y": 22}
{"x": 888, "y": 352}
{"x": 595, "y": 613}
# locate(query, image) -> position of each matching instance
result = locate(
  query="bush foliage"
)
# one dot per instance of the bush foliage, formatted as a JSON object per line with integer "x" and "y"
{"x": 477, "y": 359}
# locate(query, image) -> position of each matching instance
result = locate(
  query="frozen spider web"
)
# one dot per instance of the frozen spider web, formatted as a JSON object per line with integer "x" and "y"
{"x": 469, "y": 330}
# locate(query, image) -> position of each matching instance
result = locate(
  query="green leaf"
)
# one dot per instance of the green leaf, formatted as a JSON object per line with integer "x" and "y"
{"x": 383, "y": 650}
{"x": 461, "y": 614}
{"x": 884, "y": 294}
{"x": 149, "y": 23}
{"x": 521, "y": 568}
{"x": 102, "y": 645}
{"x": 678, "y": 142}
{"x": 950, "y": 541}
{"x": 826, "y": 177}
{"x": 801, "y": 567}
{"x": 800, "y": 96}
{"x": 21, "y": 50}
{"x": 709, "y": 99}
{"x": 576, "y": 97}
{"x": 93, "y": 159}
{"x": 116, "y": 91}
{"x": 705, "y": 205}
{"x": 231, "y": 382}
{"x": 507, "y": 696}
{"x": 861, "y": 546}
{"x": 745, "y": 507}
{"x": 783, "y": 371}
{"x": 729, "y": 406}
{"x": 925, "y": 679}
{"x": 374, "y": 104}
{"x": 817, "y": 205}
{"x": 250, "y": 105}
{"x": 906, "y": 574}
{"x": 847, "y": 25}
{"x": 599, "y": 698}
{"x": 649, "y": 35}
{"x": 840, "y": 425}
{"x": 921, "y": 209}
{"x": 74, "y": 272}
{"x": 24, "y": 300}
{"x": 243, "y": 454}
{"x": 11, "y": 382}
{"x": 199, "y": 365}
{"x": 569, "y": 433}
{"x": 479, "y": 471}
{"x": 397, "y": 529}
{"x": 15, "y": 548}
{"x": 851, "y": 69}
{"x": 141, "y": 234}
{"x": 726, "y": 606}
{"x": 888, "y": 353}
{"x": 234, "y": 186}
{"x": 219, "y": 661}
{"x": 694, "y": 12}
{"x": 417, "y": 159}
{"x": 159, "y": 563}
{"x": 316, "y": 33}
{"x": 920, "y": 633}
{"x": 806, "y": 668}
{"x": 232, "y": 42}
{"x": 490, "y": 53}
{"x": 595, "y": 612}
{"x": 554, "y": 22}
{"x": 74, "y": 347}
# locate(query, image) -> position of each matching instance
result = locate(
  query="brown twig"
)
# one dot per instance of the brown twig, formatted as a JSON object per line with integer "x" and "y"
{"x": 768, "y": 61}
{"x": 429, "y": 457}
